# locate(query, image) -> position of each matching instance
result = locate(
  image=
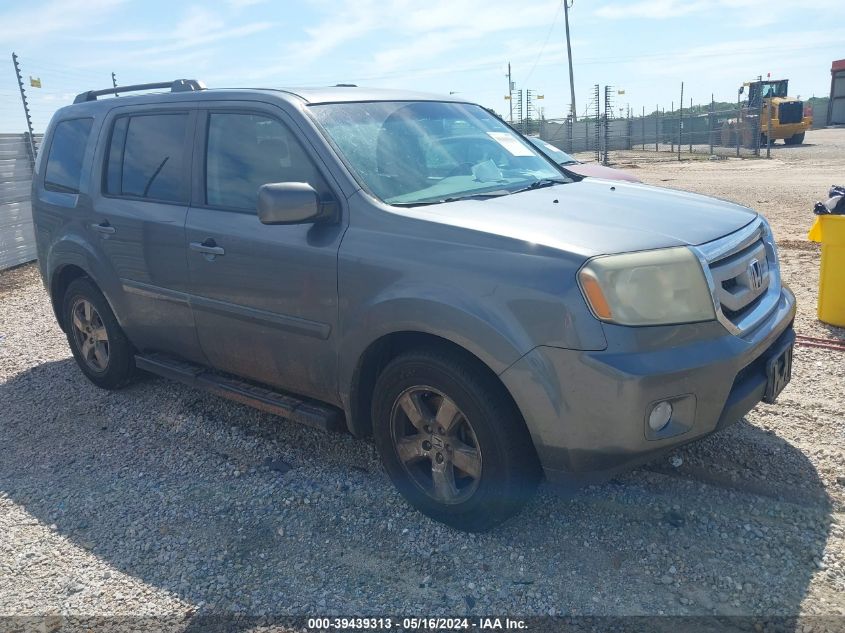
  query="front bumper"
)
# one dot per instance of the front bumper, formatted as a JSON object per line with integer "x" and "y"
{"x": 587, "y": 410}
{"x": 788, "y": 130}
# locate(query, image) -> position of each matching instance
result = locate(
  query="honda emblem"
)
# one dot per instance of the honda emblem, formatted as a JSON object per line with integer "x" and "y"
{"x": 755, "y": 275}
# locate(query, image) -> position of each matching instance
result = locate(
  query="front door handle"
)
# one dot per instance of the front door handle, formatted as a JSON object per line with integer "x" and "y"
{"x": 104, "y": 228}
{"x": 208, "y": 247}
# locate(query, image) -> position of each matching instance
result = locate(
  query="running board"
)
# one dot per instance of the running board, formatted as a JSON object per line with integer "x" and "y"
{"x": 296, "y": 409}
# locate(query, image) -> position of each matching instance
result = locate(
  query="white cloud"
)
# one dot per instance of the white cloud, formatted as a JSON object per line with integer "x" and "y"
{"x": 767, "y": 53}
{"x": 243, "y": 4}
{"x": 198, "y": 28}
{"x": 746, "y": 13}
{"x": 652, "y": 9}
{"x": 429, "y": 33}
{"x": 56, "y": 16}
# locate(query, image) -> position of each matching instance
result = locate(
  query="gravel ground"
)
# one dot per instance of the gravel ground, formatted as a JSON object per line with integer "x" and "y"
{"x": 163, "y": 500}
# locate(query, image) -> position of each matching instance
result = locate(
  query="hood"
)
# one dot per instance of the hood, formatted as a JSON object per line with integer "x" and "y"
{"x": 596, "y": 217}
{"x": 592, "y": 170}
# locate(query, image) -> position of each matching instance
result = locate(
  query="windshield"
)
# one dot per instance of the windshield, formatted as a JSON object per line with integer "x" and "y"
{"x": 556, "y": 154}
{"x": 766, "y": 90}
{"x": 410, "y": 153}
{"x": 773, "y": 89}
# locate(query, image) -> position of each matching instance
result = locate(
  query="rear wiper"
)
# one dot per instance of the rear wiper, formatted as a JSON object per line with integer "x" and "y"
{"x": 472, "y": 196}
{"x": 540, "y": 184}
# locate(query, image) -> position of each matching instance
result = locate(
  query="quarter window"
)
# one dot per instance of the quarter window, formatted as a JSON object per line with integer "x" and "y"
{"x": 64, "y": 163}
{"x": 146, "y": 157}
{"x": 245, "y": 151}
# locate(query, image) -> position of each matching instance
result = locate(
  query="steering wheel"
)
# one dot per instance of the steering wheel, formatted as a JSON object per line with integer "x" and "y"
{"x": 461, "y": 169}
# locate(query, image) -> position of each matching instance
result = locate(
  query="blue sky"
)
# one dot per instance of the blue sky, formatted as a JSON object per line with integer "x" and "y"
{"x": 646, "y": 47}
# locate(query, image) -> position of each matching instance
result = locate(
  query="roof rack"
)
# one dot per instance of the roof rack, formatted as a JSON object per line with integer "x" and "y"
{"x": 179, "y": 85}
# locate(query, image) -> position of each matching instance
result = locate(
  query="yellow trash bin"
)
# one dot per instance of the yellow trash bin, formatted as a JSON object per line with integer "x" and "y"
{"x": 830, "y": 231}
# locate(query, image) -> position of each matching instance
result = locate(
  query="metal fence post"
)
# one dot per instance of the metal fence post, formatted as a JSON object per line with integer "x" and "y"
{"x": 597, "y": 130}
{"x": 605, "y": 140}
{"x": 657, "y": 128}
{"x": 681, "y": 121}
{"x": 642, "y": 127}
{"x": 30, "y": 137}
{"x": 672, "y": 133}
{"x": 738, "y": 121}
{"x": 690, "y": 133}
{"x": 758, "y": 127}
{"x": 769, "y": 132}
{"x": 710, "y": 122}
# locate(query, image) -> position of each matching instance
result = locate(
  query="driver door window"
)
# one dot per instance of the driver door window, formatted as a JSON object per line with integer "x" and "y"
{"x": 245, "y": 151}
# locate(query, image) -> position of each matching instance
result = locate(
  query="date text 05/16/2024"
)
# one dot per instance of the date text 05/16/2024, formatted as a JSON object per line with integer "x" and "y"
{"x": 430, "y": 624}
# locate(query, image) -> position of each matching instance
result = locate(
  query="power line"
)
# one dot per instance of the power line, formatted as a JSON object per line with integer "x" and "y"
{"x": 585, "y": 61}
{"x": 545, "y": 42}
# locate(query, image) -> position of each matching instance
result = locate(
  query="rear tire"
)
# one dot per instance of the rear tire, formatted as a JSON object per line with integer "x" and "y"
{"x": 452, "y": 441}
{"x": 98, "y": 343}
{"x": 795, "y": 139}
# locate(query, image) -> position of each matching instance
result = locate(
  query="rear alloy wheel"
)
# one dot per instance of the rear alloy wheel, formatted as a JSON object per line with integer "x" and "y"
{"x": 90, "y": 334}
{"x": 451, "y": 439}
{"x": 98, "y": 343}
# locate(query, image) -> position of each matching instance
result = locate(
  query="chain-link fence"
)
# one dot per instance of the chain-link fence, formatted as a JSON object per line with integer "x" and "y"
{"x": 698, "y": 130}
{"x": 715, "y": 129}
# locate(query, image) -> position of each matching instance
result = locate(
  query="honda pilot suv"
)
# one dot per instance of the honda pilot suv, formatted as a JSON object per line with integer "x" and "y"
{"x": 407, "y": 267}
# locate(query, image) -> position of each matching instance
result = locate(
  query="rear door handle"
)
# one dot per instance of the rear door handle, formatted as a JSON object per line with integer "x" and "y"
{"x": 104, "y": 227}
{"x": 208, "y": 247}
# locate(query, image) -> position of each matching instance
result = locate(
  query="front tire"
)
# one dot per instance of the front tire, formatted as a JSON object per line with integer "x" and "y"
{"x": 452, "y": 441}
{"x": 98, "y": 343}
{"x": 795, "y": 139}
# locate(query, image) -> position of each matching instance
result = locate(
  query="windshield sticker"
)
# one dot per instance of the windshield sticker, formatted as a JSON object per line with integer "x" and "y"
{"x": 510, "y": 143}
{"x": 487, "y": 171}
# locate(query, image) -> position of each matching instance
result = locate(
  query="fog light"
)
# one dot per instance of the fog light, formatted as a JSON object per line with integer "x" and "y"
{"x": 660, "y": 416}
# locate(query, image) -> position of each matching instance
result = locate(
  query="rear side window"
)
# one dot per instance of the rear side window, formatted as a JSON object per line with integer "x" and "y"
{"x": 64, "y": 162}
{"x": 146, "y": 157}
{"x": 245, "y": 151}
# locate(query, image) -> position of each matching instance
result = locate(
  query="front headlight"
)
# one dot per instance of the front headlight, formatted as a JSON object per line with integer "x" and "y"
{"x": 657, "y": 287}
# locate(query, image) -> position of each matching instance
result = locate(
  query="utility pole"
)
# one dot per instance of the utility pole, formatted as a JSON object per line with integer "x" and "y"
{"x": 569, "y": 55}
{"x": 510, "y": 92}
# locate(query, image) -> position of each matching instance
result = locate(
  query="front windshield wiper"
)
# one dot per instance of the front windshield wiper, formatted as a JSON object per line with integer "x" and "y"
{"x": 471, "y": 196}
{"x": 540, "y": 184}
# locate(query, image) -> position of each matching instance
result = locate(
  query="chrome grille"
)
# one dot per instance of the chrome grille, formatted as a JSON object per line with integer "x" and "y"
{"x": 744, "y": 277}
{"x": 741, "y": 278}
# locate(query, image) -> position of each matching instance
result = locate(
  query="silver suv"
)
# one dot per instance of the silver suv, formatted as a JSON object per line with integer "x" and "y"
{"x": 407, "y": 267}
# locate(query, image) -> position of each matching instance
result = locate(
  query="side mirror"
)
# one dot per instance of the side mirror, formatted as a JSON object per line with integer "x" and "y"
{"x": 741, "y": 89}
{"x": 288, "y": 203}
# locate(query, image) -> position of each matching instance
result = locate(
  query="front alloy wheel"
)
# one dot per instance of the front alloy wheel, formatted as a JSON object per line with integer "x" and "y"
{"x": 452, "y": 440}
{"x": 436, "y": 444}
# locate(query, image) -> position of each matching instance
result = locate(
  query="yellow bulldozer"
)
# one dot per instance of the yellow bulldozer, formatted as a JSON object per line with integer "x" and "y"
{"x": 768, "y": 111}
